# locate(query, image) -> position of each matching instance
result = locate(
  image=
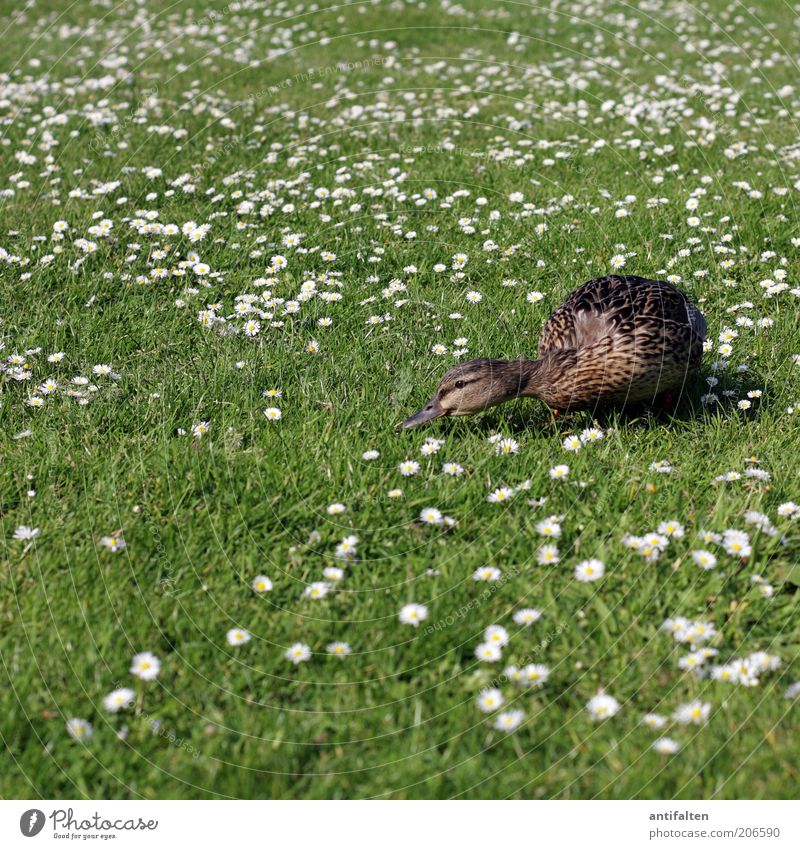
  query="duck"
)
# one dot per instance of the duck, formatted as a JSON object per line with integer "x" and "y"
{"x": 615, "y": 341}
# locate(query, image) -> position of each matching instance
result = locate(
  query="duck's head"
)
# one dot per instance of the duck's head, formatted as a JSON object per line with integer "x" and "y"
{"x": 472, "y": 387}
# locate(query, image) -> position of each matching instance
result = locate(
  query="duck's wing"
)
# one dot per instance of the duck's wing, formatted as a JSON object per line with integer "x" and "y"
{"x": 558, "y": 331}
{"x": 619, "y": 306}
{"x": 592, "y": 312}
{"x": 657, "y": 320}
{"x": 621, "y": 339}
{"x": 615, "y": 370}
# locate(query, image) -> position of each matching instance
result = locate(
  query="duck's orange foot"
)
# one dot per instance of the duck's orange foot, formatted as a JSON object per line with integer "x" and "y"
{"x": 555, "y": 414}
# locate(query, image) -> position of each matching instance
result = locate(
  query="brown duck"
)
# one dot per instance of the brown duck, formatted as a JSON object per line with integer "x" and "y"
{"x": 615, "y": 341}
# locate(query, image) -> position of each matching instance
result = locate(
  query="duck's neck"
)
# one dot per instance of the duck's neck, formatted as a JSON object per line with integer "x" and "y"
{"x": 532, "y": 378}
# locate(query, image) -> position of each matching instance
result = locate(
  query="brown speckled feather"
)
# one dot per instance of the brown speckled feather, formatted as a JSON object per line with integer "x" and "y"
{"x": 619, "y": 339}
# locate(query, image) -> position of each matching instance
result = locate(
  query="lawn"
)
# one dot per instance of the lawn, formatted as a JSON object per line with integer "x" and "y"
{"x": 209, "y": 212}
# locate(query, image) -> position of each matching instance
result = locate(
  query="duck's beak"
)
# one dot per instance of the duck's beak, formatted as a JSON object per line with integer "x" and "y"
{"x": 432, "y": 410}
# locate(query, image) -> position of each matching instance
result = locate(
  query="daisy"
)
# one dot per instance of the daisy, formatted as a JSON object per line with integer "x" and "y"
{"x": 146, "y": 666}
{"x": 709, "y": 536}
{"x": 727, "y": 673}
{"x": 413, "y": 614}
{"x": 452, "y": 469}
{"x": 486, "y": 573}
{"x": 338, "y": 649}
{"x": 572, "y": 443}
{"x": 549, "y": 528}
{"x": 431, "y": 516}
{"x": 665, "y": 746}
{"x": 272, "y": 414}
{"x": 346, "y": 550}
{"x": 761, "y": 521}
{"x": 496, "y": 634}
{"x": 789, "y": 509}
{"x": 559, "y": 472}
{"x": 24, "y": 532}
{"x": 113, "y": 543}
{"x": 677, "y": 626}
{"x": 317, "y": 590}
{"x": 699, "y": 632}
{"x": 80, "y": 729}
{"x": 704, "y": 559}
{"x": 510, "y": 720}
{"x": 591, "y": 434}
{"x": 535, "y": 674}
{"x": 490, "y": 700}
{"x": 408, "y": 468}
{"x": 118, "y": 700}
{"x": 547, "y": 554}
{"x": 671, "y": 529}
{"x": 695, "y": 712}
{"x": 654, "y": 721}
{"x": 602, "y": 706}
{"x": 371, "y": 455}
{"x": 489, "y": 652}
{"x": 692, "y": 661}
{"x": 500, "y": 495}
{"x": 237, "y": 636}
{"x": 262, "y": 584}
{"x": 792, "y": 691}
{"x": 506, "y": 446}
{"x": 736, "y": 543}
{"x": 746, "y": 672}
{"x": 590, "y": 570}
{"x": 335, "y": 509}
{"x": 526, "y": 616}
{"x": 655, "y": 540}
{"x": 298, "y": 653}
{"x": 200, "y": 430}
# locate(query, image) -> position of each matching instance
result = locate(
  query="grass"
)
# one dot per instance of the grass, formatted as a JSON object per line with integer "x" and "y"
{"x": 446, "y": 96}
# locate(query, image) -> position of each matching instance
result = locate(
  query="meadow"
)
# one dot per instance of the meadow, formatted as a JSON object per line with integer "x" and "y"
{"x": 239, "y": 243}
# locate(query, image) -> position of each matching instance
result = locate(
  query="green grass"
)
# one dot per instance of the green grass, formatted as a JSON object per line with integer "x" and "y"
{"x": 202, "y": 517}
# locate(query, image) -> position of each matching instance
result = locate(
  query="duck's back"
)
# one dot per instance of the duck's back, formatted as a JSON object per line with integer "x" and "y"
{"x": 631, "y": 337}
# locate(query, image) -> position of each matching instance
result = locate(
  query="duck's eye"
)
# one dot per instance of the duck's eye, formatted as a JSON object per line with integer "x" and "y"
{"x": 459, "y": 384}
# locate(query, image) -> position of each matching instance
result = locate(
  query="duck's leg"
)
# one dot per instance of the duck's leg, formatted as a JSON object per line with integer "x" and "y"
{"x": 665, "y": 401}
